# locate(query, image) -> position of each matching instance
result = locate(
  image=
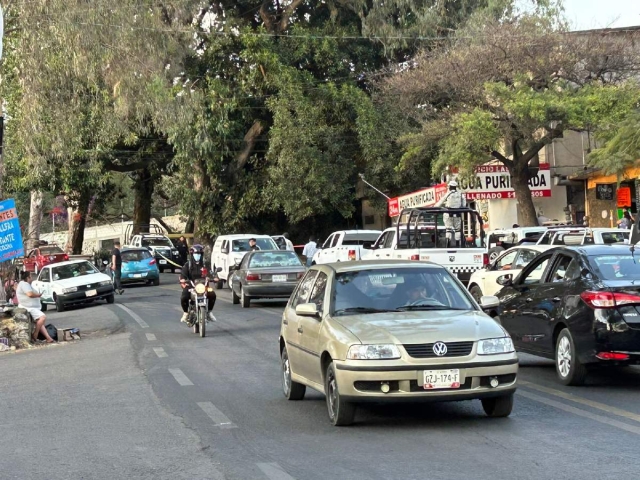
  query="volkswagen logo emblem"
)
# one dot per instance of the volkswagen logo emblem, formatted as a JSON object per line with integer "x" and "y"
{"x": 440, "y": 349}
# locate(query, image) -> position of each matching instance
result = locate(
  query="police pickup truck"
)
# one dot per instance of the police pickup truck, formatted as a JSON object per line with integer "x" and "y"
{"x": 345, "y": 245}
{"x": 420, "y": 235}
{"x": 161, "y": 247}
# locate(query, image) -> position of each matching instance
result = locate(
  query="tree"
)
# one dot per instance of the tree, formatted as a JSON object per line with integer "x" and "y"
{"x": 620, "y": 145}
{"x": 502, "y": 90}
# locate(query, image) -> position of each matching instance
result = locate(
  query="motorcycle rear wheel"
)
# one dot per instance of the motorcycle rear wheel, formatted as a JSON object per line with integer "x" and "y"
{"x": 202, "y": 320}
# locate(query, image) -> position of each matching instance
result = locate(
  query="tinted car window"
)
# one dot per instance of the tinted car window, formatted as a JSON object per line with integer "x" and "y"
{"x": 73, "y": 270}
{"x": 505, "y": 262}
{"x": 302, "y": 294}
{"x": 535, "y": 275}
{"x": 274, "y": 259}
{"x": 359, "y": 238}
{"x": 135, "y": 255}
{"x": 45, "y": 275}
{"x": 616, "y": 267}
{"x": 397, "y": 288}
{"x": 156, "y": 242}
{"x": 614, "y": 237}
{"x": 318, "y": 292}
{"x": 525, "y": 257}
{"x": 50, "y": 250}
{"x": 560, "y": 269}
{"x": 242, "y": 245}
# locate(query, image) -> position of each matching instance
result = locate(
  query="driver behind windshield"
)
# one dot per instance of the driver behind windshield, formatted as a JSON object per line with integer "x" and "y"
{"x": 191, "y": 272}
{"x": 416, "y": 294}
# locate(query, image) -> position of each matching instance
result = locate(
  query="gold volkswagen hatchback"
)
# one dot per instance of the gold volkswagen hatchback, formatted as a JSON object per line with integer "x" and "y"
{"x": 393, "y": 331}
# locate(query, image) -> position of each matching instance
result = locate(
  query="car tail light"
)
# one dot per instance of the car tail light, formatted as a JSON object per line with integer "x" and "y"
{"x": 415, "y": 257}
{"x": 612, "y": 356}
{"x": 252, "y": 277}
{"x": 152, "y": 261}
{"x": 485, "y": 259}
{"x": 66, "y": 257}
{"x": 352, "y": 254}
{"x": 608, "y": 299}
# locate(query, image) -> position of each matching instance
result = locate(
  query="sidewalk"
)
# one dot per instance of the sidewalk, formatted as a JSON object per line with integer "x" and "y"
{"x": 93, "y": 320}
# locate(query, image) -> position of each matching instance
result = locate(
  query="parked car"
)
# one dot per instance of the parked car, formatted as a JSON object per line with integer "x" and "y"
{"x": 43, "y": 255}
{"x": 228, "y": 250}
{"x": 139, "y": 265}
{"x": 572, "y": 236}
{"x": 484, "y": 282}
{"x": 345, "y": 245}
{"x": 71, "y": 283}
{"x": 500, "y": 240}
{"x": 265, "y": 274}
{"x": 369, "y": 332}
{"x": 577, "y": 305}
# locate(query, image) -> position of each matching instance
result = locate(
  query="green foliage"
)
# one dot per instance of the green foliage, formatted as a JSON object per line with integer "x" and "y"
{"x": 621, "y": 145}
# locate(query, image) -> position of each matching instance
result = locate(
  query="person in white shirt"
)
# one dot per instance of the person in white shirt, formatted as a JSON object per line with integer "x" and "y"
{"x": 29, "y": 299}
{"x": 310, "y": 250}
{"x": 289, "y": 243}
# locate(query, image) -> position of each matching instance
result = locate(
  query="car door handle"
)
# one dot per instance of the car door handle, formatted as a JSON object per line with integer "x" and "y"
{"x": 300, "y": 330}
{"x": 556, "y": 299}
{"x": 285, "y": 322}
{"x": 529, "y": 299}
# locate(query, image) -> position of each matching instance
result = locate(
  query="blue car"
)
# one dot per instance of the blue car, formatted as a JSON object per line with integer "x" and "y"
{"x": 139, "y": 265}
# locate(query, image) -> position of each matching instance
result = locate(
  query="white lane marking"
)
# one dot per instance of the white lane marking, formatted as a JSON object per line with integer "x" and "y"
{"x": 134, "y": 315}
{"x": 273, "y": 471}
{"x": 590, "y": 403}
{"x": 180, "y": 377}
{"x": 151, "y": 337}
{"x": 259, "y": 309}
{"x": 160, "y": 352}
{"x": 580, "y": 412}
{"x": 219, "y": 418}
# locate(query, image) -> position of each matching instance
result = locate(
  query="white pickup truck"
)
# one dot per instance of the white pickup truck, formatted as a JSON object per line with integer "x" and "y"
{"x": 345, "y": 245}
{"x": 422, "y": 238}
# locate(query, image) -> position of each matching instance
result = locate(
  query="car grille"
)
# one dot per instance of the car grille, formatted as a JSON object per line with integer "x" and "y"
{"x": 425, "y": 350}
{"x": 93, "y": 286}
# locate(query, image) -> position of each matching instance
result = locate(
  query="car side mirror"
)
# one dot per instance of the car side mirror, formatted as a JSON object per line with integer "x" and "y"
{"x": 487, "y": 302}
{"x": 307, "y": 310}
{"x": 224, "y": 250}
{"x": 219, "y": 269}
{"x": 505, "y": 280}
{"x": 105, "y": 262}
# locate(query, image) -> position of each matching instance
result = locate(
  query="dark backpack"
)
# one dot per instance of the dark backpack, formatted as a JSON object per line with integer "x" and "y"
{"x": 51, "y": 330}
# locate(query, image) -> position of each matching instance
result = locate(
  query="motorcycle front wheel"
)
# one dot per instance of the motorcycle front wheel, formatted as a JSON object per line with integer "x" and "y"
{"x": 195, "y": 326}
{"x": 202, "y": 320}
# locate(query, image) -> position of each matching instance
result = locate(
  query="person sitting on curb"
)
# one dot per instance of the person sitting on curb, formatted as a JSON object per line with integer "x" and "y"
{"x": 29, "y": 299}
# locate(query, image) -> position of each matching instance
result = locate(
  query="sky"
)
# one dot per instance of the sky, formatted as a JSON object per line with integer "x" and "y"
{"x": 588, "y": 14}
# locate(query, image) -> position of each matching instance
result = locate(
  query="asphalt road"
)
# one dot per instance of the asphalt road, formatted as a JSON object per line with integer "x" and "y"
{"x": 153, "y": 400}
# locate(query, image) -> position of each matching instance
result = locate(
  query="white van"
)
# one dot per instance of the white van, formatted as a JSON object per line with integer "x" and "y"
{"x": 230, "y": 249}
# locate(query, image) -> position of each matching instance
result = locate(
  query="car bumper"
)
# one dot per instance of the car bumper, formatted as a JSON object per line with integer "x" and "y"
{"x": 272, "y": 290}
{"x": 361, "y": 383}
{"x": 81, "y": 297}
{"x": 615, "y": 337}
{"x": 132, "y": 277}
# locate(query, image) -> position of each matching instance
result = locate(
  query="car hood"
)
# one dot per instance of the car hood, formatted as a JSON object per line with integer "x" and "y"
{"x": 83, "y": 280}
{"x": 421, "y": 327}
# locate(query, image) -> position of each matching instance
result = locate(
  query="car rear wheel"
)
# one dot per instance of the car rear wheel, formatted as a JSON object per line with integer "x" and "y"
{"x": 235, "y": 299}
{"x": 476, "y": 293}
{"x": 498, "y": 406}
{"x": 292, "y": 390}
{"x": 569, "y": 369}
{"x": 341, "y": 413}
{"x": 244, "y": 300}
{"x": 156, "y": 282}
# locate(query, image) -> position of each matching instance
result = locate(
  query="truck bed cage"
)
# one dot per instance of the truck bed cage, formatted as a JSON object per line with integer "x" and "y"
{"x": 421, "y": 219}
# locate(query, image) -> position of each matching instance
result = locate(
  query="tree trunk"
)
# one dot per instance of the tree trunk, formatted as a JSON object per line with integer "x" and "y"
{"x": 77, "y": 224}
{"x": 201, "y": 185}
{"x": 520, "y": 182}
{"x": 143, "y": 191}
{"x": 35, "y": 220}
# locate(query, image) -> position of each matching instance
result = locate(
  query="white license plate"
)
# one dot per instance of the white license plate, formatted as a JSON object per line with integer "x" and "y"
{"x": 137, "y": 275}
{"x": 434, "y": 379}
{"x": 201, "y": 302}
{"x": 163, "y": 262}
{"x": 279, "y": 278}
{"x": 91, "y": 293}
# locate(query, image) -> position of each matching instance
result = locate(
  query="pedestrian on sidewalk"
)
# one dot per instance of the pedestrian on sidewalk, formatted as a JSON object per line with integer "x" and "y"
{"x": 310, "y": 250}
{"x": 29, "y": 299}
{"x": 116, "y": 267}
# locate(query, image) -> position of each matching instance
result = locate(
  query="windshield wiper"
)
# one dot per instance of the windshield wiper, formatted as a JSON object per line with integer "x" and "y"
{"x": 428, "y": 307}
{"x": 361, "y": 310}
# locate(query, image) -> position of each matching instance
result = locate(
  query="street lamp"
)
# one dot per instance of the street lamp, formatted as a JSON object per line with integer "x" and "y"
{"x": 361, "y": 175}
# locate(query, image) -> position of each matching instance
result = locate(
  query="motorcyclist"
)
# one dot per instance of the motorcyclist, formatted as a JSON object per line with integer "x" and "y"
{"x": 192, "y": 271}
{"x": 452, "y": 222}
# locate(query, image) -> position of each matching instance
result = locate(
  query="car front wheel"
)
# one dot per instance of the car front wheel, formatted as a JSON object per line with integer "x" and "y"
{"x": 59, "y": 305}
{"x": 498, "y": 406}
{"x": 569, "y": 369}
{"x": 292, "y": 390}
{"x": 341, "y": 412}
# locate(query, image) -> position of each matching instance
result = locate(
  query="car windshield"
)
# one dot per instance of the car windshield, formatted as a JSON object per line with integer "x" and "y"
{"x": 359, "y": 238}
{"x": 50, "y": 250}
{"x": 397, "y": 289}
{"x": 242, "y": 244}
{"x": 156, "y": 242}
{"x": 274, "y": 259}
{"x": 72, "y": 270}
{"x": 135, "y": 255}
{"x": 614, "y": 237}
{"x": 616, "y": 267}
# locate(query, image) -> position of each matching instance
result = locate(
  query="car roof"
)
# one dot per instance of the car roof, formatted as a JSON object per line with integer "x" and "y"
{"x": 68, "y": 262}
{"x": 530, "y": 246}
{"x": 357, "y": 231}
{"x": 134, "y": 249}
{"x": 378, "y": 264}
{"x": 244, "y": 235}
{"x": 592, "y": 250}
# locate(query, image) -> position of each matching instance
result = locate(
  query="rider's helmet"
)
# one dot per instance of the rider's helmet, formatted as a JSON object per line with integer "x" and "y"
{"x": 196, "y": 251}
{"x": 453, "y": 185}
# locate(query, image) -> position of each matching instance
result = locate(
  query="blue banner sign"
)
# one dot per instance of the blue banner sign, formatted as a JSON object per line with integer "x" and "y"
{"x": 10, "y": 236}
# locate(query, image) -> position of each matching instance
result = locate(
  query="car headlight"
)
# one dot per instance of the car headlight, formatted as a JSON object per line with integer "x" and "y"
{"x": 494, "y": 346}
{"x": 373, "y": 352}
{"x": 105, "y": 282}
{"x": 70, "y": 290}
{"x": 200, "y": 289}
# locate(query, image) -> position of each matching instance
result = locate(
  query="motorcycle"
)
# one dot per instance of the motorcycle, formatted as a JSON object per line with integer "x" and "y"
{"x": 199, "y": 303}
